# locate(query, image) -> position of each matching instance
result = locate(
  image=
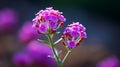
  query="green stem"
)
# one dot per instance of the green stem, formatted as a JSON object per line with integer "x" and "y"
{"x": 57, "y": 41}
{"x": 52, "y": 46}
{"x": 66, "y": 56}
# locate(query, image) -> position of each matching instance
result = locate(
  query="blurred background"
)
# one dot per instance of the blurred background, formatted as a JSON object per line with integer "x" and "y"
{"x": 100, "y": 17}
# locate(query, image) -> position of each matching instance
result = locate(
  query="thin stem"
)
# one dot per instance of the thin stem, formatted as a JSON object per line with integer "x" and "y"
{"x": 66, "y": 56}
{"x": 57, "y": 41}
{"x": 52, "y": 46}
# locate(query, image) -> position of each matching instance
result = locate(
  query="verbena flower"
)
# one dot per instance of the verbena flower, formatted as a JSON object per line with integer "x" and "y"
{"x": 43, "y": 27}
{"x": 71, "y": 43}
{"x": 41, "y": 54}
{"x": 48, "y": 20}
{"x": 73, "y": 35}
{"x": 22, "y": 60}
{"x": 35, "y": 55}
{"x": 112, "y": 61}
{"x": 8, "y": 20}
{"x": 27, "y": 33}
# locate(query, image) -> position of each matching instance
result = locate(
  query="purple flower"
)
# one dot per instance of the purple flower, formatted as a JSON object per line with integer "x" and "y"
{"x": 8, "y": 20}
{"x": 109, "y": 62}
{"x": 53, "y": 24}
{"x": 47, "y": 18}
{"x": 76, "y": 30}
{"x": 43, "y": 27}
{"x": 82, "y": 28}
{"x": 22, "y": 60}
{"x": 41, "y": 54}
{"x": 67, "y": 30}
{"x": 27, "y": 33}
{"x": 61, "y": 18}
{"x": 83, "y": 34}
{"x": 71, "y": 44}
{"x": 52, "y": 18}
{"x": 74, "y": 34}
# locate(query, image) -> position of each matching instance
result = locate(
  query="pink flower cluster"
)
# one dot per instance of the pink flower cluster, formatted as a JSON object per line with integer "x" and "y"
{"x": 8, "y": 20}
{"x": 48, "y": 20}
{"x": 74, "y": 34}
{"x": 35, "y": 55}
{"x": 26, "y": 35}
{"x": 111, "y": 61}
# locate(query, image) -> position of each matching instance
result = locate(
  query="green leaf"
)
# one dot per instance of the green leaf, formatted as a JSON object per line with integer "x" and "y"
{"x": 43, "y": 41}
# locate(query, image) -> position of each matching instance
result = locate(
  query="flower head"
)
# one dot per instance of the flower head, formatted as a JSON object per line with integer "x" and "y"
{"x": 48, "y": 20}
{"x": 41, "y": 54}
{"x": 27, "y": 33}
{"x": 8, "y": 20}
{"x": 22, "y": 60}
{"x": 74, "y": 34}
{"x": 71, "y": 44}
{"x": 111, "y": 61}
